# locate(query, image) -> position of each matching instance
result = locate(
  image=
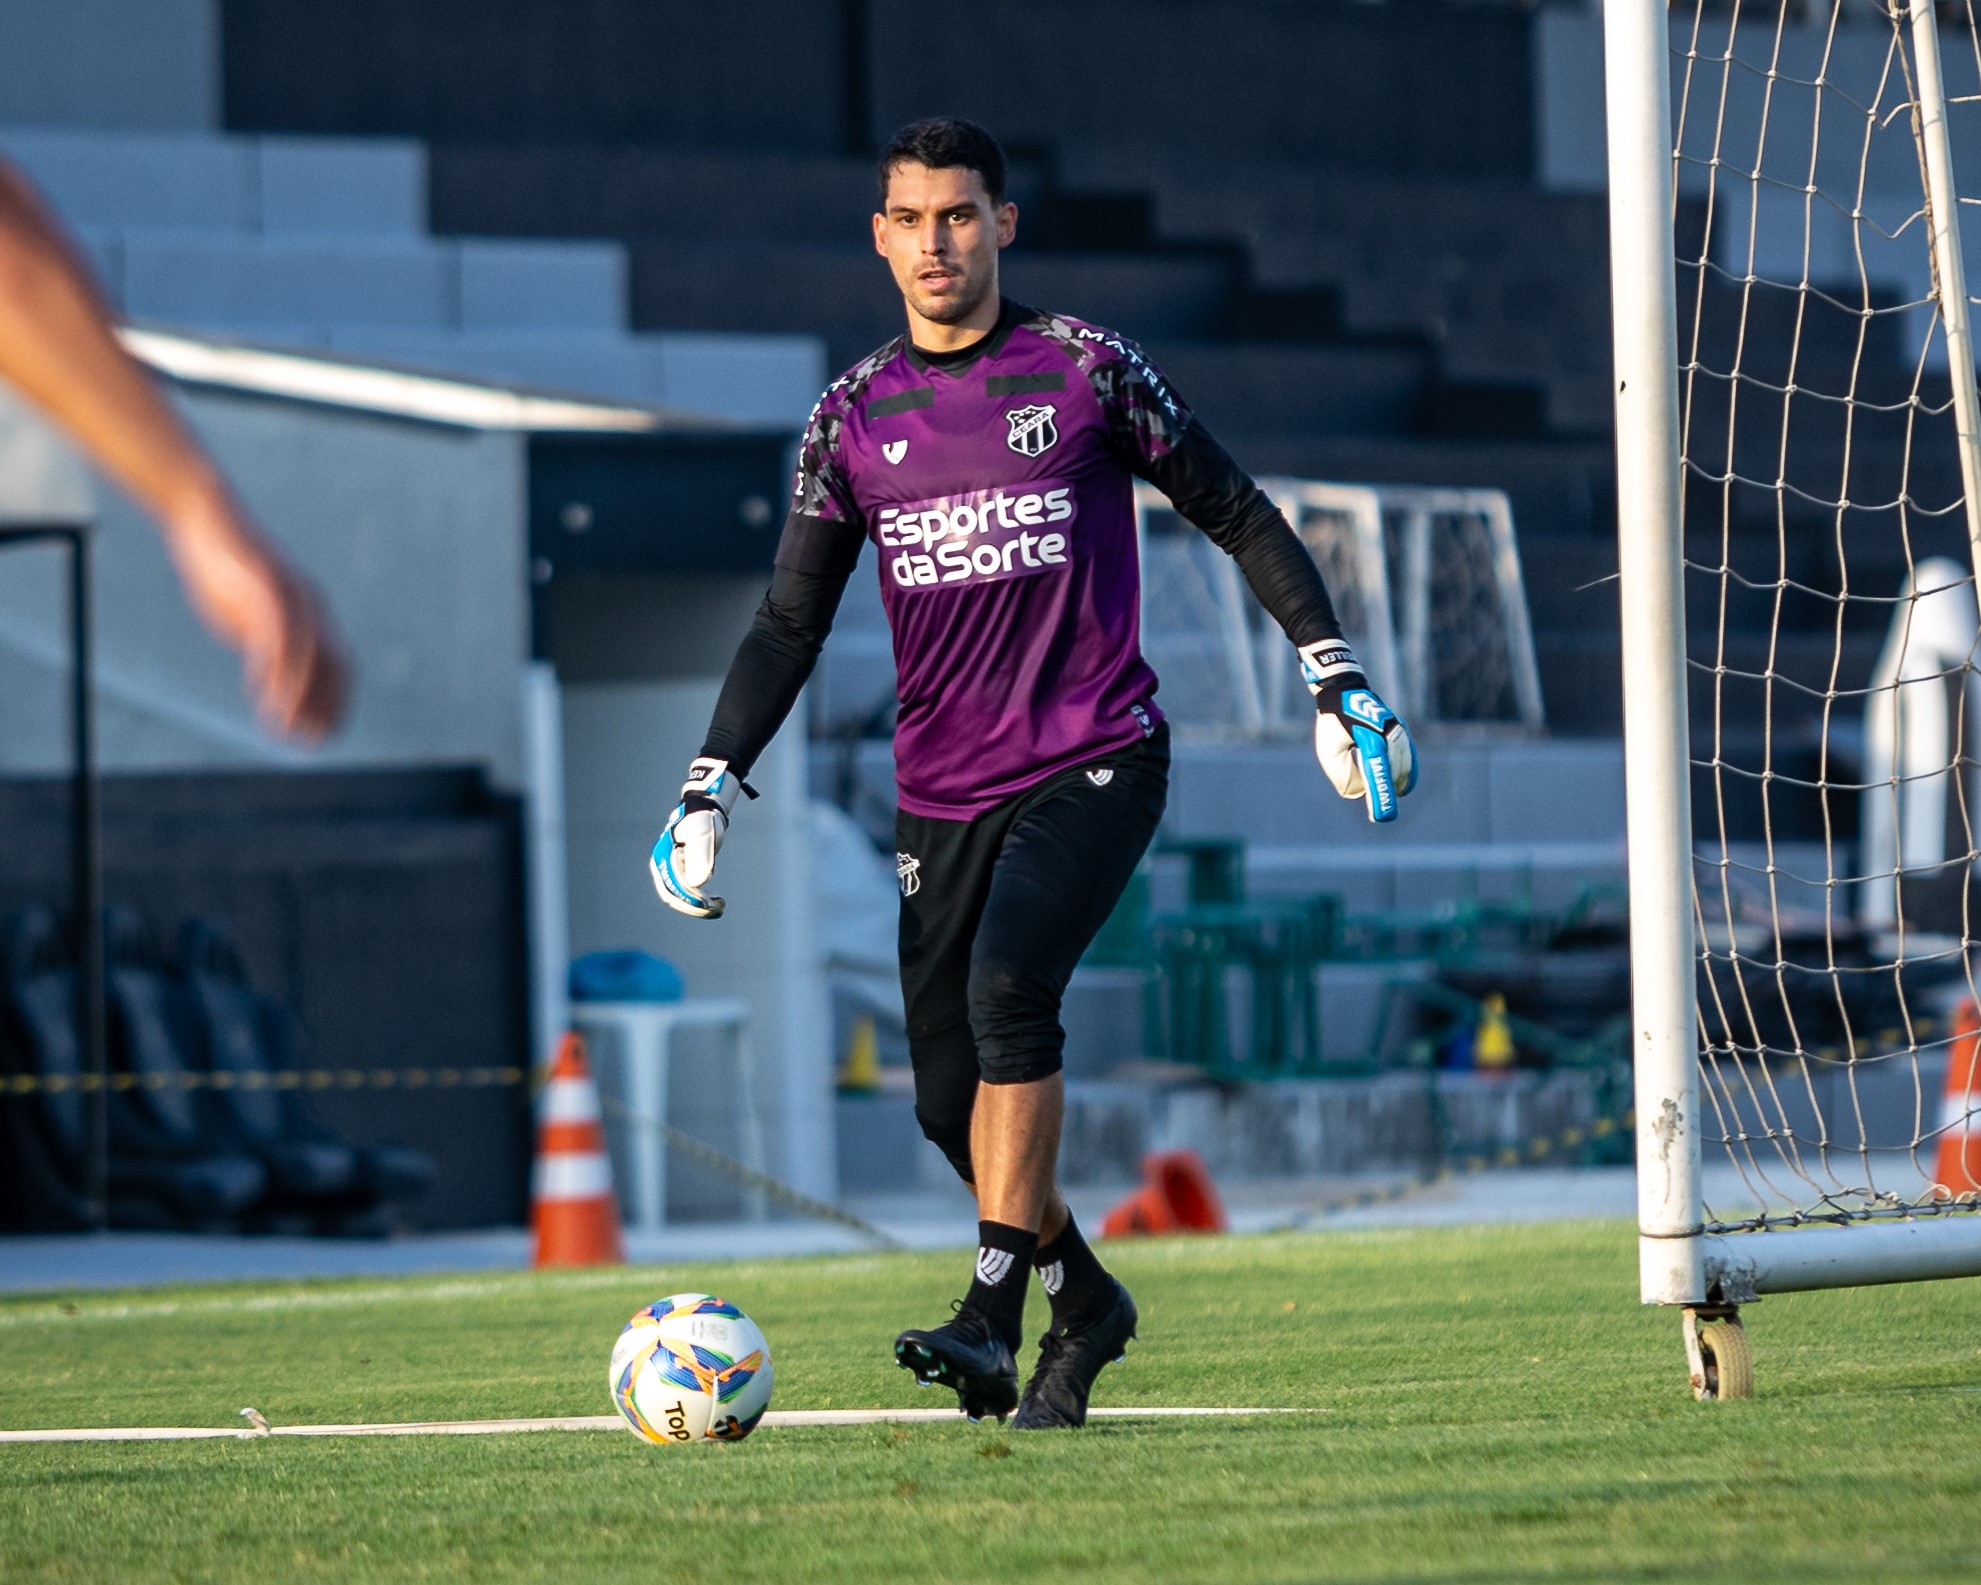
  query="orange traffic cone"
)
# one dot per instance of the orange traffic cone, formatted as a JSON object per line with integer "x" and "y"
{"x": 572, "y": 1209}
{"x": 1959, "y": 1168}
{"x": 1176, "y": 1196}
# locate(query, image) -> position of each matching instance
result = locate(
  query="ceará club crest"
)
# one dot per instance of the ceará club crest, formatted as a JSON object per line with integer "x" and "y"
{"x": 1032, "y": 429}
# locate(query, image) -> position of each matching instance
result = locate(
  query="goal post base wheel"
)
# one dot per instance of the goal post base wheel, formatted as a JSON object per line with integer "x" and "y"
{"x": 1722, "y": 1365}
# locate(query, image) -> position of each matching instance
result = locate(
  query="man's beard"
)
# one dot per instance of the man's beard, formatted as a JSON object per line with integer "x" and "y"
{"x": 949, "y": 310}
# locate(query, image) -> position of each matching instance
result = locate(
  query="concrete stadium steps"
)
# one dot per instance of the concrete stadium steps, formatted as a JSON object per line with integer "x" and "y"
{"x": 1830, "y": 353}
{"x": 1570, "y": 579}
{"x": 204, "y": 182}
{"x": 1582, "y": 680}
{"x": 762, "y": 76}
{"x": 1495, "y": 816}
{"x": 774, "y": 270}
{"x": 1733, "y": 798}
{"x": 1432, "y": 240}
{"x": 1493, "y": 325}
{"x": 635, "y": 191}
{"x": 1439, "y": 88}
{"x": 1432, "y": 88}
{"x": 1485, "y": 789}
{"x": 1246, "y": 387}
{"x": 844, "y": 293}
{"x": 321, "y": 243}
{"x": 238, "y": 231}
{"x": 1555, "y": 486}
{"x": 1780, "y": 729}
{"x": 234, "y": 282}
{"x": 1508, "y": 283}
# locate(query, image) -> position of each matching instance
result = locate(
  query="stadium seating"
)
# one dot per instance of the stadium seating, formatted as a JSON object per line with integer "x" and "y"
{"x": 243, "y": 1156}
{"x": 380, "y": 910}
{"x": 159, "y": 1118}
{"x": 314, "y": 1179}
{"x": 162, "y": 1172}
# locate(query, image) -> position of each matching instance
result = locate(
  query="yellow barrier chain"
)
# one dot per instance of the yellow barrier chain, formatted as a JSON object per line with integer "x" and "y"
{"x": 316, "y": 1079}
{"x": 1510, "y": 1156}
{"x": 775, "y": 1190}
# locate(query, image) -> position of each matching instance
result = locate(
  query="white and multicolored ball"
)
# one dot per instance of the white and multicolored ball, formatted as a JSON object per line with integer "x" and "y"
{"x": 691, "y": 1368}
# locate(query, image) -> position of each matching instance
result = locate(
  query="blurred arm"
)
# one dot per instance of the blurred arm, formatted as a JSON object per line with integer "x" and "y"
{"x": 59, "y": 348}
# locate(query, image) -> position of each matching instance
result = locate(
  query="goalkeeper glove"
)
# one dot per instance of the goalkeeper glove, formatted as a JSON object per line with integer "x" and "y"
{"x": 684, "y": 858}
{"x": 1361, "y": 743}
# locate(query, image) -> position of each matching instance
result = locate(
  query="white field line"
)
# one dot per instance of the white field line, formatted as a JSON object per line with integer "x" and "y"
{"x": 71, "y": 1312}
{"x": 575, "y": 1422}
{"x": 32, "y": 1310}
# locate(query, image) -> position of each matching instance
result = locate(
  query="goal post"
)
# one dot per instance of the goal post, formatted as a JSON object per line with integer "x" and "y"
{"x": 1651, "y": 583}
{"x": 1798, "y": 444}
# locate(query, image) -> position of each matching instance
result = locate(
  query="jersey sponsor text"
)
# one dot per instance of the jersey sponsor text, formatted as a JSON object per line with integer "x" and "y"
{"x": 983, "y": 536}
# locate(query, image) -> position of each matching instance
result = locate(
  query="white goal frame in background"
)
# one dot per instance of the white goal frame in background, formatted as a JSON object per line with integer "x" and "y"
{"x": 1377, "y": 544}
{"x": 1681, "y": 1263}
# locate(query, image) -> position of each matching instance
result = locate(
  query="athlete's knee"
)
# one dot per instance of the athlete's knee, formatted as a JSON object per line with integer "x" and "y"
{"x": 1016, "y": 1019}
{"x": 947, "y": 1127}
{"x": 946, "y": 1092}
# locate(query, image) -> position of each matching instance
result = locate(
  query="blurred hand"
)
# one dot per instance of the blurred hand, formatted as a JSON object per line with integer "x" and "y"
{"x": 292, "y": 661}
{"x": 59, "y": 348}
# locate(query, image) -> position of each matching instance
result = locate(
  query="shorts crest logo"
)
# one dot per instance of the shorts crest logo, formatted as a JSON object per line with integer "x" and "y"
{"x": 909, "y": 868}
{"x": 1032, "y": 429}
{"x": 1100, "y": 778}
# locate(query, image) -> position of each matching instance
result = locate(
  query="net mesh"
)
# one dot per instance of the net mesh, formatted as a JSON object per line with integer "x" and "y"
{"x": 1426, "y": 583}
{"x": 1830, "y": 605}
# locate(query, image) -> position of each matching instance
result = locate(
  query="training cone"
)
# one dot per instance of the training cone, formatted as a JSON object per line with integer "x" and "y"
{"x": 1492, "y": 1041}
{"x": 860, "y": 1073}
{"x": 1959, "y": 1169}
{"x": 1176, "y": 1196}
{"x": 572, "y": 1210}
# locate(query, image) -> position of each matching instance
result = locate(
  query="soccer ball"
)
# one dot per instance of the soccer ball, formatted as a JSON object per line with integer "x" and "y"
{"x": 691, "y": 1368}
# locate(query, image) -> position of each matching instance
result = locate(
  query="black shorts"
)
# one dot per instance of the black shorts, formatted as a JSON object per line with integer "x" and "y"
{"x": 995, "y": 914}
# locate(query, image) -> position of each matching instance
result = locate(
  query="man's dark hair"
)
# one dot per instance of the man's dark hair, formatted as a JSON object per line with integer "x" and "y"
{"x": 943, "y": 143}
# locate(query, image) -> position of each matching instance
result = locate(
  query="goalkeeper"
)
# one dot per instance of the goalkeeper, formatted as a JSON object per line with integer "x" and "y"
{"x": 990, "y": 455}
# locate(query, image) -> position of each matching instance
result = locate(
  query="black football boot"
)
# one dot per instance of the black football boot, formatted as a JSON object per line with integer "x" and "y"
{"x": 1069, "y": 1360}
{"x": 968, "y": 1355}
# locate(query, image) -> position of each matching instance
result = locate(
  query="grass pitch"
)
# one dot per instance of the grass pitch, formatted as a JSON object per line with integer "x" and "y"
{"x": 1487, "y": 1405}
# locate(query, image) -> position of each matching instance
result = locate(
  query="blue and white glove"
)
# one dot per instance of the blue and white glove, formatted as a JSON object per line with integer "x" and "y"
{"x": 1361, "y": 743}
{"x": 683, "y": 859}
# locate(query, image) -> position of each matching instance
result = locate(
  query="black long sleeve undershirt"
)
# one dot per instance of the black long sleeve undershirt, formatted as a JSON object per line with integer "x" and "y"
{"x": 785, "y": 637}
{"x": 1219, "y": 497}
{"x": 772, "y": 664}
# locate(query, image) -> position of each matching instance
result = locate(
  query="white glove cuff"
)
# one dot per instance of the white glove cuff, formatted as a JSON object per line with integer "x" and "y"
{"x": 712, "y": 778}
{"x": 1326, "y": 662}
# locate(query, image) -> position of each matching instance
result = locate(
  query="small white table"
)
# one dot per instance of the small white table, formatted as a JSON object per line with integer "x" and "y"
{"x": 644, "y": 1036}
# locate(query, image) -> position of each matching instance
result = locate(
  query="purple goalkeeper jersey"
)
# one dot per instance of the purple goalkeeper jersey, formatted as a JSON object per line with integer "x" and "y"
{"x": 1000, "y": 498}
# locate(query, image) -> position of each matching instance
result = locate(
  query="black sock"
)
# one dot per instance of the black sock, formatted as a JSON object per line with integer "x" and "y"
{"x": 1004, "y": 1266}
{"x": 1073, "y": 1277}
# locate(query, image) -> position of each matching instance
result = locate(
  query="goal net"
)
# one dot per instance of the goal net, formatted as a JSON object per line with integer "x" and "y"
{"x": 1829, "y": 591}
{"x": 1426, "y": 582}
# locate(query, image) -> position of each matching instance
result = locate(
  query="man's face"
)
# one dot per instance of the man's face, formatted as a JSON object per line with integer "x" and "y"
{"x": 940, "y": 233}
